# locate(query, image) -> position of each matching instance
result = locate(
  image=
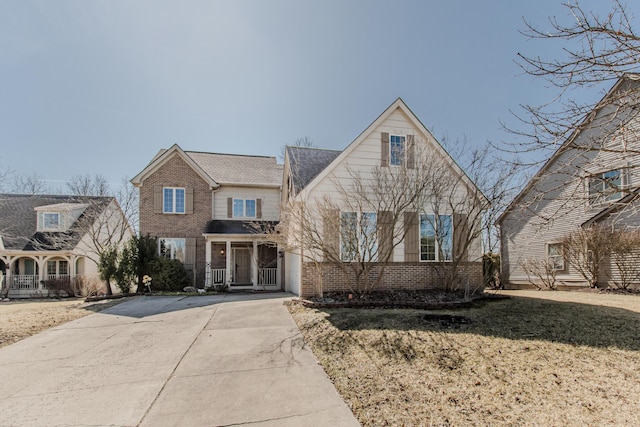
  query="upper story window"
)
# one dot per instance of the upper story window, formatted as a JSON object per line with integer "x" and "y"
{"x": 244, "y": 208}
{"x": 51, "y": 221}
{"x": 358, "y": 237}
{"x": 397, "y": 150}
{"x": 606, "y": 186}
{"x": 171, "y": 248}
{"x": 436, "y": 237}
{"x": 173, "y": 200}
{"x": 555, "y": 256}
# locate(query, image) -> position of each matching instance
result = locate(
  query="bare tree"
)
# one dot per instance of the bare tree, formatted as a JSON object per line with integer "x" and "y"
{"x": 303, "y": 141}
{"x": 540, "y": 273}
{"x": 87, "y": 185}
{"x": 370, "y": 212}
{"x": 596, "y": 51}
{"x": 586, "y": 250}
{"x": 625, "y": 256}
{"x": 28, "y": 184}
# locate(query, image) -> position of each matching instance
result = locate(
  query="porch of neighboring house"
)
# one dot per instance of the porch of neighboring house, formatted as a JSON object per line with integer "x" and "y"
{"x": 40, "y": 275}
{"x": 243, "y": 263}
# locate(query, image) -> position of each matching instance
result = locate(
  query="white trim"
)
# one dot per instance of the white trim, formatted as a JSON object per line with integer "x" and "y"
{"x": 404, "y": 150}
{"x": 437, "y": 247}
{"x": 163, "y": 157}
{"x": 548, "y": 257}
{"x": 44, "y": 227}
{"x": 184, "y": 207}
{"x": 244, "y": 208}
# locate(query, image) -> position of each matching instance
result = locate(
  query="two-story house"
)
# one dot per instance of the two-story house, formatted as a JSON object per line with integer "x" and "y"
{"x": 217, "y": 212}
{"x": 592, "y": 178}
{"x": 46, "y": 238}
{"x": 207, "y": 209}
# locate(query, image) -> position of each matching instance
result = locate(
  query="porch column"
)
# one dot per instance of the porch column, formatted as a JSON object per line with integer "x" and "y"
{"x": 228, "y": 259}
{"x": 279, "y": 266}
{"x": 41, "y": 271}
{"x": 254, "y": 264}
{"x": 207, "y": 259}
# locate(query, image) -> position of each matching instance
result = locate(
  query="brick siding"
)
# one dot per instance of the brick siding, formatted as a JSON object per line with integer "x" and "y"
{"x": 397, "y": 276}
{"x": 177, "y": 173}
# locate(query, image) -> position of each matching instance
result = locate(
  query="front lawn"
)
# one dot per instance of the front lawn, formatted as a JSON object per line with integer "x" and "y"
{"x": 539, "y": 358}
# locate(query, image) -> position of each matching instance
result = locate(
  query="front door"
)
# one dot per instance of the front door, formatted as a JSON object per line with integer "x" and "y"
{"x": 243, "y": 265}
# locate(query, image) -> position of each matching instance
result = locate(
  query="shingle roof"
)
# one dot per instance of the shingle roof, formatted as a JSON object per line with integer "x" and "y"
{"x": 239, "y": 169}
{"x": 18, "y": 221}
{"x": 612, "y": 208}
{"x": 224, "y": 226}
{"x": 307, "y": 163}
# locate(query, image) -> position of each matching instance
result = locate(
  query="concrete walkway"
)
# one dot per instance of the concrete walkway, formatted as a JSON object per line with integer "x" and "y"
{"x": 171, "y": 361}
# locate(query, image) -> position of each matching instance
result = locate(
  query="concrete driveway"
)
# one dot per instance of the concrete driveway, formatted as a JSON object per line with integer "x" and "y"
{"x": 171, "y": 361}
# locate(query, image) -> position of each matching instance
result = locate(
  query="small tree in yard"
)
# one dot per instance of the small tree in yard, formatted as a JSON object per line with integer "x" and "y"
{"x": 625, "y": 254}
{"x": 540, "y": 273}
{"x": 108, "y": 266}
{"x": 587, "y": 248}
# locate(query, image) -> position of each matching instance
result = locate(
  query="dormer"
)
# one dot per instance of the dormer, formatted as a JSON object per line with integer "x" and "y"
{"x": 58, "y": 217}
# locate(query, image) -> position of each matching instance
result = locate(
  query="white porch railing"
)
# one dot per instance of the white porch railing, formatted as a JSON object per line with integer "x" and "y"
{"x": 58, "y": 277}
{"x": 24, "y": 281}
{"x": 267, "y": 276}
{"x": 218, "y": 276}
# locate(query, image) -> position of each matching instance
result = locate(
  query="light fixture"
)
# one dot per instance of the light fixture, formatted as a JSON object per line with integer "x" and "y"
{"x": 221, "y": 251}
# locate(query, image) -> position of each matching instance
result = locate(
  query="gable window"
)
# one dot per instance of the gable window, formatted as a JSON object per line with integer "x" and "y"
{"x": 436, "y": 237}
{"x": 50, "y": 221}
{"x": 173, "y": 200}
{"x": 244, "y": 208}
{"x": 555, "y": 256}
{"x": 171, "y": 248}
{"x": 396, "y": 150}
{"x": 606, "y": 186}
{"x": 358, "y": 237}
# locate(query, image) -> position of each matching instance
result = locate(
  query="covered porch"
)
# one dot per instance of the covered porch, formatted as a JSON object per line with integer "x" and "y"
{"x": 29, "y": 275}
{"x": 242, "y": 264}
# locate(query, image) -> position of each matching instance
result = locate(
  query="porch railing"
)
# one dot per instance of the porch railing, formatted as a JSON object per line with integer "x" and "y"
{"x": 267, "y": 276}
{"x": 24, "y": 281}
{"x": 218, "y": 276}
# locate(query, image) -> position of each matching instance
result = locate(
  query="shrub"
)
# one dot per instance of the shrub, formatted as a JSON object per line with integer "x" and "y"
{"x": 491, "y": 270}
{"x": 169, "y": 275}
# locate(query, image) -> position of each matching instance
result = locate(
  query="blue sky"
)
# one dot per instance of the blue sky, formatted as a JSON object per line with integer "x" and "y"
{"x": 98, "y": 87}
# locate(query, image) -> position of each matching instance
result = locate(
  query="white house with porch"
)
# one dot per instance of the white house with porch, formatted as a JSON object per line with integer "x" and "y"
{"x": 48, "y": 242}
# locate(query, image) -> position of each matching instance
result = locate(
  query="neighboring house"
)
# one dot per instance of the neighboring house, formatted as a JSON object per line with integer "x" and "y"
{"x": 592, "y": 178}
{"x": 393, "y": 141}
{"x": 217, "y": 212}
{"x": 47, "y": 238}
{"x": 207, "y": 209}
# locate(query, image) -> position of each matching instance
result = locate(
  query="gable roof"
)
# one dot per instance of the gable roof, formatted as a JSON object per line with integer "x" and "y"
{"x": 629, "y": 77}
{"x": 612, "y": 208}
{"x": 397, "y": 104}
{"x": 217, "y": 169}
{"x": 238, "y": 169}
{"x": 18, "y": 221}
{"x": 306, "y": 163}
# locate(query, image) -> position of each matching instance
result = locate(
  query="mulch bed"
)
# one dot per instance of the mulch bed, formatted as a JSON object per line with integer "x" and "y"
{"x": 425, "y": 299}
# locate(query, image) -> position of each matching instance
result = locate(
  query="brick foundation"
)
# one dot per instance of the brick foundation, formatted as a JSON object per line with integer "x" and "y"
{"x": 397, "y": 276}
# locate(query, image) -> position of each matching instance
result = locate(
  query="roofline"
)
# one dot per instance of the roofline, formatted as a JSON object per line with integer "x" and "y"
{"x": 162, "y": 157}
{"x": 230, "y": 154}
{"x": 567, "y": 142}
{"x": 248, "y": 184}
{"x": 398, "y": 103}
{"x": 613, "y": 207}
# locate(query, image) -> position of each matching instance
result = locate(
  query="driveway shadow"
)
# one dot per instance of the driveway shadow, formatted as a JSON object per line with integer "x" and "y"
{"x": 152, "y": 305}
{"x": 517, "y": 318}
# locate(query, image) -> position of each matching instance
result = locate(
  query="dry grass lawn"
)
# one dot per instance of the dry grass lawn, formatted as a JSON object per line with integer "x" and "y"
{"x": 538, "y": 359}
{"x": 20, "y": 319}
